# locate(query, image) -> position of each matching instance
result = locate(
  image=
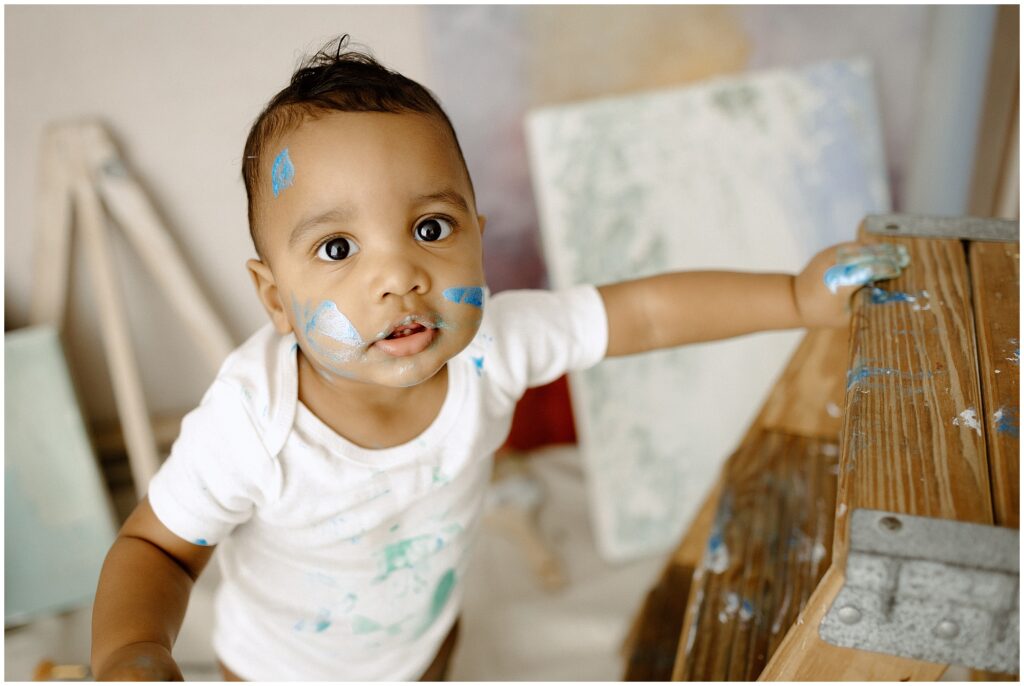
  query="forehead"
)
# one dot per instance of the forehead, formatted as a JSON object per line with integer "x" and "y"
{"x": 358, "y": 158}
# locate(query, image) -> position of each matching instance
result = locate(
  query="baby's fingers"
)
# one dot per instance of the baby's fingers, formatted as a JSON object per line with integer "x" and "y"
{"x": 861, "y": 264}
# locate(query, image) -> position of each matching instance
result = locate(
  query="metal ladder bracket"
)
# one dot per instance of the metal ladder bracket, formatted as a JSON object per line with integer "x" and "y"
{"x": 927, "y": 226}
{"x": 935, "y": 590}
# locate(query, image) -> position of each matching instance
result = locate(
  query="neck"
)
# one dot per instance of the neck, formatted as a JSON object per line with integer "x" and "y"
{"x": 370, "y": 414}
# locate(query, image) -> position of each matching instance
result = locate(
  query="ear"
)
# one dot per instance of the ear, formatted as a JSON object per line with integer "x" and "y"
{"x": 270, "y": 296}
{"x": 483, "y": 223}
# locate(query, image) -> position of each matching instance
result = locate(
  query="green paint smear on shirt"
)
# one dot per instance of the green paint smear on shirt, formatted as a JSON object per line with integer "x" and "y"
{"x": 440, "y": 599}
{"x": 397, "y": 556}
{"x": 364, "y": 625}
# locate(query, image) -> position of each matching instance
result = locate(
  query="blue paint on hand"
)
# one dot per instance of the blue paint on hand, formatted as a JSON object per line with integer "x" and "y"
{"x": 282, "y": 174}
{"x": 866, "y": 263}
{"x": 469, "y": 295}
{"x": 847, "y": 275}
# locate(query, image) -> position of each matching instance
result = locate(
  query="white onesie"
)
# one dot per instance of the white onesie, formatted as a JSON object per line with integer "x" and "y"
{"x": 340, "y": 562}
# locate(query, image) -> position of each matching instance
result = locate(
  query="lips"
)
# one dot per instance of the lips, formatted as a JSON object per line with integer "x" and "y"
{"x": 410, "y": 336}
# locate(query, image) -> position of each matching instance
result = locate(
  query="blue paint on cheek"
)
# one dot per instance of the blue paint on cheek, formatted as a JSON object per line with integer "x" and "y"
{"x": 469, "y": 295}
{"x": 282, "y": 174}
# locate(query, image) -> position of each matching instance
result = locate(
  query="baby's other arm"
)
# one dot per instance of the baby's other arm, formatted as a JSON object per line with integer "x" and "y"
{"x": 141, "y": 599}
{"x": 690, "y": 307}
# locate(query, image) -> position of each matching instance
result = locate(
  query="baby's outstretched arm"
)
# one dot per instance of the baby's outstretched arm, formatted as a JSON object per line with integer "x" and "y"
{"x": 690, "y": 307}
{"x": 140, "y": 603}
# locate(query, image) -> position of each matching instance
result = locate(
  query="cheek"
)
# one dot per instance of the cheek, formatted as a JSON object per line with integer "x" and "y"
{"x": 328, "y": 334}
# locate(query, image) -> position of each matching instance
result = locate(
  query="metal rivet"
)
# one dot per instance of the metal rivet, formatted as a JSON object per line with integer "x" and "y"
{"x": 947, "y": 628}
{"x": 849, "y": 615}
{"x": 890, "y": 523}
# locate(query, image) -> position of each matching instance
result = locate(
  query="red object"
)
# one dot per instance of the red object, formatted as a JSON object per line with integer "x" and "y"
{"x": 543, "y": 417}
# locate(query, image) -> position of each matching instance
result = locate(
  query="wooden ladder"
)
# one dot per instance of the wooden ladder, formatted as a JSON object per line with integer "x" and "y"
{"x": 913, "y": 412}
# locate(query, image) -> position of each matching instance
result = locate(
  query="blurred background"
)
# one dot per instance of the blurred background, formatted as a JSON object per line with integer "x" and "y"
{"x": 179, "y": 86}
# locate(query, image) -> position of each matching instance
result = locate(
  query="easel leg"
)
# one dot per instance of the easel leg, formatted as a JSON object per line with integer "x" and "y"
{"x": 131, "y": 404}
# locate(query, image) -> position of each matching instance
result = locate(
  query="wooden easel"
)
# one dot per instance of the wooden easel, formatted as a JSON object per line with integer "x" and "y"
{"x": 81, "y": 178}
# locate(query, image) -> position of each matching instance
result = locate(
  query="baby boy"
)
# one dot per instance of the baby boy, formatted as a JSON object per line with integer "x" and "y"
{"x": 340, "y": 458}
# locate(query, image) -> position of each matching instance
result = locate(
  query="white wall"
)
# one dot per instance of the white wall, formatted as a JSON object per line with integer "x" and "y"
{"x": 179, "y": 86}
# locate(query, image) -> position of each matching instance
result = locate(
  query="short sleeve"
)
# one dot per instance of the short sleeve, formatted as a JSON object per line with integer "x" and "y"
{"x": 218, "y": 471}
{"x": 541, "y": 335}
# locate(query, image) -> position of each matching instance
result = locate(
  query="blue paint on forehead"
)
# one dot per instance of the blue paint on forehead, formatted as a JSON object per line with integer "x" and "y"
{"x": 282, "y": 174}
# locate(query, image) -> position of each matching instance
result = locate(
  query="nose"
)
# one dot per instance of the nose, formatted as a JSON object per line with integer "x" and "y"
{"x": 398, "y": 272}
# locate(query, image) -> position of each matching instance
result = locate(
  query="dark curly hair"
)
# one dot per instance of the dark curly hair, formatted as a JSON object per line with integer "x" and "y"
{"x": 340, "y": 79}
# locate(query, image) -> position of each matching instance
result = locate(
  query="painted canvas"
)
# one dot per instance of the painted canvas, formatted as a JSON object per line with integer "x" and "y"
{"x": 58, "y": 519}
{"x": 754, "y": 172}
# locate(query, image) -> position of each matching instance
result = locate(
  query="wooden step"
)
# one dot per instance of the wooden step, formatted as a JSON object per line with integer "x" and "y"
{"x": 769, "y": 547}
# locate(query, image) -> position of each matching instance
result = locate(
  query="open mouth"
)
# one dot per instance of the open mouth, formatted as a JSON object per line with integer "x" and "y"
{"x": 406, "y": 330}
{"x": 408, "y": 338}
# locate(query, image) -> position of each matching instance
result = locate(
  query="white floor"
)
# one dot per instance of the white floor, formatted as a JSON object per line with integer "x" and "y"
{"x": 512, "y": 629}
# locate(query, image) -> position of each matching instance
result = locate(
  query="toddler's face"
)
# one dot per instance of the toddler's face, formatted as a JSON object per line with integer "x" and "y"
{"x": 371, "y": 234}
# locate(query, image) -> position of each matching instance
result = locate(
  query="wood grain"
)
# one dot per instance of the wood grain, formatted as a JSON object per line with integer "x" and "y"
{"x": 995, "y": 276}
{"x": 808, "y": 398}
{"x": 912, "y": 442}
{"x": 649, "y": 625}
{"x": 765, "y": 554}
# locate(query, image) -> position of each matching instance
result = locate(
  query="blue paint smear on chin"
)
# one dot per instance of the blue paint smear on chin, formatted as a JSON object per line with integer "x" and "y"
{"x": 468, "y": 295}
{"x": 282, "y": 174}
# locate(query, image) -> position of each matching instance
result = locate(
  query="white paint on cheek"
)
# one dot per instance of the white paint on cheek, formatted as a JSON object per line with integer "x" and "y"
{"x": 330, "y": 321}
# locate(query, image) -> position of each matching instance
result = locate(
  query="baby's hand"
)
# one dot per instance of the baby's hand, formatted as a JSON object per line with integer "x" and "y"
{"x": 823, "y": 289}
{"x": 140, "y": 662}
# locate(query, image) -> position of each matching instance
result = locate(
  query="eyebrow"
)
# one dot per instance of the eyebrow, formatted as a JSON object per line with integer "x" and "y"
{"x": 448, "y": 195}
{"x": 338, "y": 214}
{"x": 347, "y": 212}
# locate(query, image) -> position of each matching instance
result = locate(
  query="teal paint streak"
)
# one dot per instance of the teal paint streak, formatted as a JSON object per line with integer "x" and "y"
{"x": 406, "y": 554}
{"x": 441, "y": 594}
{"x": 364, "y": 625}
{"x": 443, "y": 591}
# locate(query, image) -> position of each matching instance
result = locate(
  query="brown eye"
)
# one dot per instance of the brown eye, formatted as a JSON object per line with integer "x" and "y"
{"x": 337, "y": 249}
{"x": 433, "y": 229}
